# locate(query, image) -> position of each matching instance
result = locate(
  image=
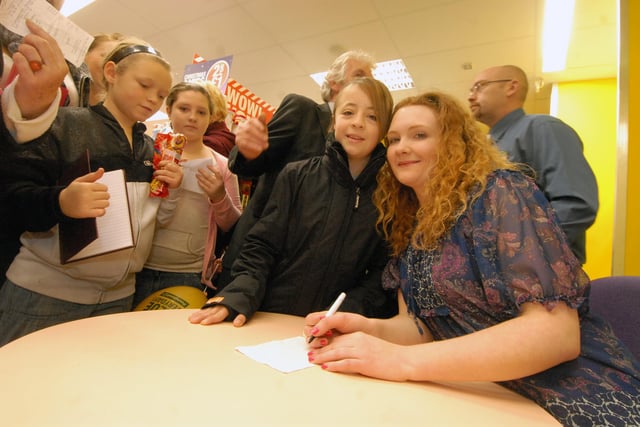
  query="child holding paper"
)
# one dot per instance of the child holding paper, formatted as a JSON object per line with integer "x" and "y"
{"x": 209, "y": 201}
{"x": 40, "y": 291}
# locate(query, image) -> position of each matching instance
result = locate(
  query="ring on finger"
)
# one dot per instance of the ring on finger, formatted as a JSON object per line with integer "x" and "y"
{"x": 35, "y": 65}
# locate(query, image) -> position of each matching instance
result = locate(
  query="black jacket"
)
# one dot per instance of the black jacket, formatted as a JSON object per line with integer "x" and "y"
{"x": 316, "y": 238}
{"x": 297, "y": 131}
{"x": 33, "y": 173}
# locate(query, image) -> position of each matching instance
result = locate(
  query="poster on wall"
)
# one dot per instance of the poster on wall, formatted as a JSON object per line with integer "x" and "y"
{"x": 216, "y": 71}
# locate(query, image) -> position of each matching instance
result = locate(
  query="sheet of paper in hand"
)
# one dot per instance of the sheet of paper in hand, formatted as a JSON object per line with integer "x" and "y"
{"x": 73, "y": 40}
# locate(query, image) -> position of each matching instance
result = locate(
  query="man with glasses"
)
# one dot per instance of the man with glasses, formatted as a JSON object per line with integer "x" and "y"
{"x": 549, "y": 146}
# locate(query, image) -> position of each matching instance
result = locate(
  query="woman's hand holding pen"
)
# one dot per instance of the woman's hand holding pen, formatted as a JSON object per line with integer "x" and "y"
{"x": 324, "y": 327}
{"x": 358, "y": 352}
{"x": 380, "y": 348}
{"x": 344, "y": 344}
{"x": 332, "y": 310}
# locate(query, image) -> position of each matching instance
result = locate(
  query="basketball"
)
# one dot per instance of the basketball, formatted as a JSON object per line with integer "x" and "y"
{"x": 175, "y": 297}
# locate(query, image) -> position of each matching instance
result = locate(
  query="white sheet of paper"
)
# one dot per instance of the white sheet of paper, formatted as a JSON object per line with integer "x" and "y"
{"x": 73, "y": 40}
{"x": 286, "y": 355}
{"x": 191, "y": 167}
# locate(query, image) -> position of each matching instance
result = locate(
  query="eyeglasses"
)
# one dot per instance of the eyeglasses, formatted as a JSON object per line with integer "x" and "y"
{"x": 481, "y": 84}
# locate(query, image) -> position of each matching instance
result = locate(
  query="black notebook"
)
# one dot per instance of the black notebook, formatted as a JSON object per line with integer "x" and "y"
{"x": 89, "y": 237}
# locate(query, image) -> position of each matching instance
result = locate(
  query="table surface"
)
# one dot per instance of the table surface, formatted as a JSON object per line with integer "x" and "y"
{"x": 154, "y": 368}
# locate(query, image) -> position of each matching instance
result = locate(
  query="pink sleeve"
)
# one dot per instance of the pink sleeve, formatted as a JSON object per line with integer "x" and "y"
{"x": 226, "y": 212}
{"x": 223, "y": 214}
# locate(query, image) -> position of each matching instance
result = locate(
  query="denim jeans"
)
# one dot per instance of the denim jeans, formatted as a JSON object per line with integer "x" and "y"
{"x": 150, "y": 281}
{"x": 23, "y": 311}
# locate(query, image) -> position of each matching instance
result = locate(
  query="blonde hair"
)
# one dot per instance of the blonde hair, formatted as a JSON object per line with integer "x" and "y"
{"x": 188, "y": 87}
{"x": 465, "y": 157}
{"x": 100, "y": 38}
{"x": 219, "y": 112}
{"x": 130, "y": 50}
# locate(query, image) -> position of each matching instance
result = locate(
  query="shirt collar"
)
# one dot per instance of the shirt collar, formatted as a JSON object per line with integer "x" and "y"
{"x": 499, "y": 129}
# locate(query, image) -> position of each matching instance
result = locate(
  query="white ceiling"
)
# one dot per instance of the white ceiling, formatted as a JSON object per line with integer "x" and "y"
{"x": 276, "y": 44}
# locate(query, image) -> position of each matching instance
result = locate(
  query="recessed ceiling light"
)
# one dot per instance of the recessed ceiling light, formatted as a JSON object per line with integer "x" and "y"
{"x": 558, "y": 24}
{"x": 69, "y": 7}
{"x": 393, "y": 74}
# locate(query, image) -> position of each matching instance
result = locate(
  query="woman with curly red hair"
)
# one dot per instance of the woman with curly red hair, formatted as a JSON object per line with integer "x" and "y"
{"x": 488, "y": 287}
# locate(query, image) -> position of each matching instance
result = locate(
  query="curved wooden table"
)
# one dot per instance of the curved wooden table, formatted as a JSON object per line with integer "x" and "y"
{"x": 154, "y": 368}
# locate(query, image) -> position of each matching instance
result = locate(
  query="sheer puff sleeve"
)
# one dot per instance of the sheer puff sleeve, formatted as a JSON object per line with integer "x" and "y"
{"x": 521, "y": 252}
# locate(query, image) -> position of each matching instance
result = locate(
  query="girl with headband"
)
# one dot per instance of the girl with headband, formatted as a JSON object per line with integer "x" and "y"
{"x": 40, "y": 290}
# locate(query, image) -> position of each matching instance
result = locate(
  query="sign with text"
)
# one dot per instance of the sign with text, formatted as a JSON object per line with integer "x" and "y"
{"x": 245, "y": 103}
{"x": 216, "y": 71}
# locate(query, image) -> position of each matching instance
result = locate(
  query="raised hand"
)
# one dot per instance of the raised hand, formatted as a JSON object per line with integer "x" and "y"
{"x": 252, "y": 138}
{"x": 41, "y": 68}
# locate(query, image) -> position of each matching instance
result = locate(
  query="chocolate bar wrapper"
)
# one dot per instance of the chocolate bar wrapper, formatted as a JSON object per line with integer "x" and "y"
{"x": 167, "y": 146}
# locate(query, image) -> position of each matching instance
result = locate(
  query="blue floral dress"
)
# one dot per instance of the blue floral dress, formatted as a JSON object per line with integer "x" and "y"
{"x": 505, "y": 250}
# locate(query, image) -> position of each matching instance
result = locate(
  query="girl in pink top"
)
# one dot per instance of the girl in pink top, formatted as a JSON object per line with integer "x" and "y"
{"x": 183, "y": 251}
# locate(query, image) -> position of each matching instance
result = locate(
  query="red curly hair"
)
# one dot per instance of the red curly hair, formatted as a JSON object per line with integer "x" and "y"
{"x": 464, "y": 159}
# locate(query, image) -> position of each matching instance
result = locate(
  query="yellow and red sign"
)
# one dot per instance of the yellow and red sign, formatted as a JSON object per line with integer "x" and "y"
{"x": 245, "y": 103}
